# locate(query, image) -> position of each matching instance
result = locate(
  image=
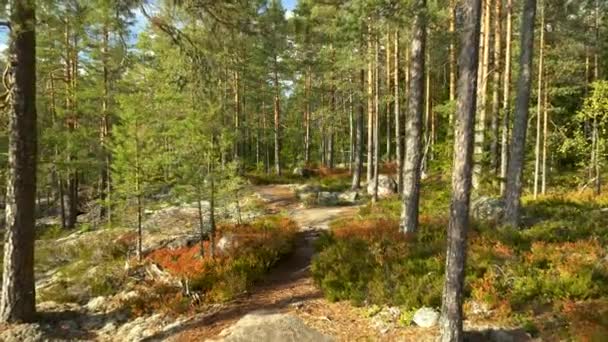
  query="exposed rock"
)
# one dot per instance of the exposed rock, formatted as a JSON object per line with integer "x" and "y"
{"x": 487, "y": 208}
{"x": 308, "y": 197}
{"x": 386, "y": 186}
{"x": 348, "y": 196}
{"x": 183, "y": 241}
{"x": 97, "y": 304}
{"x": 386, "y": 319}
{"x": 271, "y": 327}
{"x": 501, "y": 336}
{"x": 305, "y": 188}
{"x": 327, "y": 198}
{"x": 23, "y": 333}
{"x": 426, "y": 317}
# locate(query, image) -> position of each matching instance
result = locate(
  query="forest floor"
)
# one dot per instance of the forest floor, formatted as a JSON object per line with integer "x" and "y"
{"x": 290, "y": 289}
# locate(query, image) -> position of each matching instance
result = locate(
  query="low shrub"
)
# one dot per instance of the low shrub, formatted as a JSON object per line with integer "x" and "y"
{"x": 258, "y": 246}
{"x": 560, "y": 257}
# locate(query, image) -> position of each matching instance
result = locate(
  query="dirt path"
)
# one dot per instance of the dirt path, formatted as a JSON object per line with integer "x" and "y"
{"x": 289, "y": 287}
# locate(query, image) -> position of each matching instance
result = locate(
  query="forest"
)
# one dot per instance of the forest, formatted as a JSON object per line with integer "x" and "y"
{"x": 304, "y": 170}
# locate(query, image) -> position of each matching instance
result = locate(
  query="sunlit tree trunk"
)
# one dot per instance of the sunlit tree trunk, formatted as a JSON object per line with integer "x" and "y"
{"x": 453, "y": 66}
{"x": 413, "y": 146}
{"x": 277, "y": 119}
{"x": 539, "y": 100}
{"x": 506, "y": 101}
{"x": 359, "y": 137}
{"x": 376, "y": 119}
{"x": 482, "y": 91}
{"x": 453, "y": 290}
{"x": 545, "y": 141}
{"x": 520, "y": 122}
{"x": 398, "y": 121}
{"x": 18, "y": 296}
{"x": 370, "y": 105}
{"x": 388, "y": 92}
{"x": 307, "y": 116}
{"x": 494, "y": 156}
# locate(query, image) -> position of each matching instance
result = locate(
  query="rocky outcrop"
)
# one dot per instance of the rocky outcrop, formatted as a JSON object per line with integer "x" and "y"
{"x": 386, "y": 186}
{"x": 487, "y": 208}
{"x": 271, "y": 327}
{"x": 426, "y": 317}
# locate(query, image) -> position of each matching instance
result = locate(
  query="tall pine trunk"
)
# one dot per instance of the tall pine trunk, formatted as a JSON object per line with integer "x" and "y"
{"x": 370, "y": 106}
{"x": 18, "y": 297}
{"x": 358, "y": 167}
{"x": 506, "y": 101}
{"x": 539, "y": 101}
{"x": 494, "y": 156}
{"x": 482, "y": 91}
{"x": 451, "y": 309}
{"x": 376, "y": 119}
{"x": 398, "y": 119}
{"x": 543, "y": 188}
{"x": 520, "y": 122}
{"x": 277, "y": 119}
{"x": 413, "y": 145}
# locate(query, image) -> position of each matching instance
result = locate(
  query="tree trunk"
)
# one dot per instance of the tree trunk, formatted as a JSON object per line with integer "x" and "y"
{"x": 520, "y": 123}
{"x": 351, "y": 129}
{"x": 539, "y": 100}
{"x": 370, "y": 106}
{"x": 397, "y": 107}
{"x": 104, "y": 131}
{"x": 138, "y": 193}
{"x": 596, "y": 77}
{"x": 413, "y": 154}
{"x": 277, "y": 120}
{"x": 307, "y": 117}
{"x": 358, "y": 169}
{"x": 494, "y": 156}
{"x": 18, "y": 300}
{"x": 201, "y": 221}
{"x": 376, "y": 119}
{"x": 427, "y": 113}
{"x": 482, "y": 91}
{"x": 212, "y": 228}
{"x": 453, "y": 66}
{"x": 545, "y": 140}
{"x": 388, "y": 92}
{"x": 451, "y": 309}
{"x": 506, "y": 101}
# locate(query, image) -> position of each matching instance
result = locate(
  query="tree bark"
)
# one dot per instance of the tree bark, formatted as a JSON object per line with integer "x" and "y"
{"x": 388, "y": 92}
{"x": 494, "y": 156}
{"x": 506, "y": 101}
{"x": 451, "y": 309}
{"x": 18, "y": 299}
{"x": 307, "y": 116}
{"x": 358, "y": 169}
{"x": 539, "y": 101}
{"x": 398, "y": 130}
{"x": 376, "y": 119}
{"x": 453, "y": 66}
{"x": 370, "y": 106}
{"x": 413, "y": 154}
{"x": 520, "y": 123}
{"x": 277, "y": 119}
{"x": 482, "y": 91}
{"x": 596, "y": 76}
{"x": 545, "y": 140}
{"x": 104, "y": 133}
